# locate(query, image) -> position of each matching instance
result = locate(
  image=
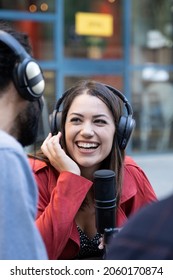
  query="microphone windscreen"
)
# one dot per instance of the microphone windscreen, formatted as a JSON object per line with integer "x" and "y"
{"x": 105, "y": 199}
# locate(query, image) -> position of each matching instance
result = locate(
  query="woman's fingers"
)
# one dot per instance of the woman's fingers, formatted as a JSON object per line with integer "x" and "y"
{"x": 58, "y": 158}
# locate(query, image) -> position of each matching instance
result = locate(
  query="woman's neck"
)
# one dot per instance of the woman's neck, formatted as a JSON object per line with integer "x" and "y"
{"x": 88, "y": 173}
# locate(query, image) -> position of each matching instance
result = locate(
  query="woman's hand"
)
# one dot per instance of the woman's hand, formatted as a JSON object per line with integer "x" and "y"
{"x": 59, "y": 160}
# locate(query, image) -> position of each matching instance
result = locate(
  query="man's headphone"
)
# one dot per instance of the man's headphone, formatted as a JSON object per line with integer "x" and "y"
{"x": 27, "y": 74}
{"x": 125, "y": 125}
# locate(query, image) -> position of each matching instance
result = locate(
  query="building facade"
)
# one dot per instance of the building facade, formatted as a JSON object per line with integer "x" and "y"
{"x": 125, "y": 43}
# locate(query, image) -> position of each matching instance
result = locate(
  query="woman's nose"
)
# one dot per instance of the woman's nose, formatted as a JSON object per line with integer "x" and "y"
{"x": 87, "y": 130}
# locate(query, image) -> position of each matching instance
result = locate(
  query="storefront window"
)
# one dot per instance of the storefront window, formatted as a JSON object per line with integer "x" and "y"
{"x": 28, "y": 5}
{"x": 95, "y": 30}
{"x": 152, "y": 104}
{"x": 50, "y": 89}
{"x": 115, "y": 81}
{"x": 86, "y": 44}
{"x": 152, "y": 85}
{"x": 152, "y": 31}
{"x": 41, "y": 37}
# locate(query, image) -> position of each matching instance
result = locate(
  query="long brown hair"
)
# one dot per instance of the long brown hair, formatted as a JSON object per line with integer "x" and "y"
{"x": 114, "y": 161}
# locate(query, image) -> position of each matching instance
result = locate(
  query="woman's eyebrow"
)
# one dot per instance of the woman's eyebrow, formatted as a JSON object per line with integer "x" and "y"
{"x": 94, "y": 116}
{"x": 76, "y": 114}
{"x": 100, "y": 115}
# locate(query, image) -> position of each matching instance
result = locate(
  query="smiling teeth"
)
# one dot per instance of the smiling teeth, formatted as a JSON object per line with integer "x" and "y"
{"x": 87, "y": 145}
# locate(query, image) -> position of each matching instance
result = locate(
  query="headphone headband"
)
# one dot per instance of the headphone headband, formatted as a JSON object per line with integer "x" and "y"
{"x": 122, "y": 97}
{"x": 13, "y": 44}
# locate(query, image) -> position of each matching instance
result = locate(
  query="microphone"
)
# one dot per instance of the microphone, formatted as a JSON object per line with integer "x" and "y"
{"x": 105, "y": 199}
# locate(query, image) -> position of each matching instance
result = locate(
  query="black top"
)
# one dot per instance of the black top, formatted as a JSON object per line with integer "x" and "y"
{"x": 89, "y": 247}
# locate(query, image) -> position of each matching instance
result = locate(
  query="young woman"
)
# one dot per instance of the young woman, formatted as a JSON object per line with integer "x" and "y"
{"x": 92, "y": 128}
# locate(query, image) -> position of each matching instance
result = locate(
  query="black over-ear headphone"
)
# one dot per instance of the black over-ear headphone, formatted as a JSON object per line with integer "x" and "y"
{"x": 125, "y": 126}
{"x": 27, "y": 74}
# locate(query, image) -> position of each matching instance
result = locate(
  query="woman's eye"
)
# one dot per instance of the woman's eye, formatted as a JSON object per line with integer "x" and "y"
{"x": 75, "y": 120}
{"x": 100, "y": 121}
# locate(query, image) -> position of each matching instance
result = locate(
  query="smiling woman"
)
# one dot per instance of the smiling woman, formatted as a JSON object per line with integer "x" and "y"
{"x": 90, "y": 133}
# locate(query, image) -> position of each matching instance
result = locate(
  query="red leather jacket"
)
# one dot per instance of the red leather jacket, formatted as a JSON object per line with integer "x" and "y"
{"x": 60, "y": 196}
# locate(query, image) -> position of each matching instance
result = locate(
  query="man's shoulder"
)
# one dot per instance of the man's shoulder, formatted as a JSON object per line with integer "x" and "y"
{"x": 11, "y": 150}
{"x": 9, "y": 142}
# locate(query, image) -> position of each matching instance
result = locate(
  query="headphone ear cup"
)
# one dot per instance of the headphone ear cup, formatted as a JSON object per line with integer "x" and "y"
{"x": 124, "y": 131}
{"x": 55, "y": 122}
{"x": 27, "y": 74}
{"x": 28, "y": 79}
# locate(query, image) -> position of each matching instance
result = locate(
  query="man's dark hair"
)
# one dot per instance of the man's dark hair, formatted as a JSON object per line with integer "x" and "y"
{"x": 7, "y": 56}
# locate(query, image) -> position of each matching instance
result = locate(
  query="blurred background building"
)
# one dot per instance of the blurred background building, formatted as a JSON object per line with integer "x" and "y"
{"x": 125, "y": 43}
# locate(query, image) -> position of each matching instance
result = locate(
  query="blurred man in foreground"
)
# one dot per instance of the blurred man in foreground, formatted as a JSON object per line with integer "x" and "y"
{"x": 21, "y": 89}
{"x": 148, "y": 235}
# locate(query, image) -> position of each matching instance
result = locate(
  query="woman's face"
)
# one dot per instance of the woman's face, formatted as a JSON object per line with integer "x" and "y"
{"x": 89, "y": 131}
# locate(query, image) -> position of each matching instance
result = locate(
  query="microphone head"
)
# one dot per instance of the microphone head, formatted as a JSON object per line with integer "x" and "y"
{"x": 104, "y": 185}
{"x": 105, "y": 199}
